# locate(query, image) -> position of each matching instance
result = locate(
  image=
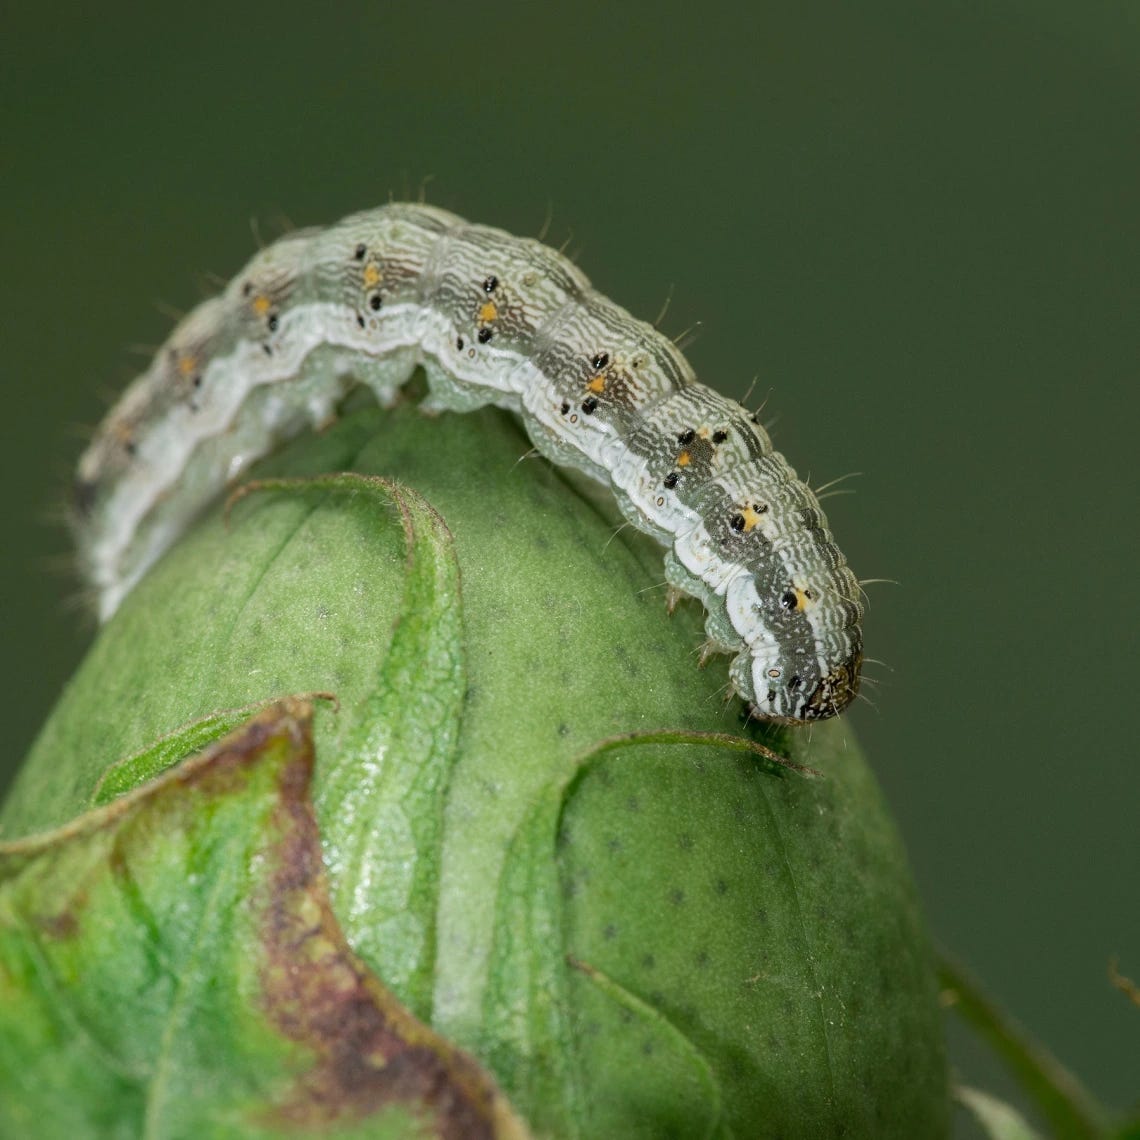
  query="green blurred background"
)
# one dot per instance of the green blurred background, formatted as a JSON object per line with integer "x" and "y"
{"x": 915, "y": 224}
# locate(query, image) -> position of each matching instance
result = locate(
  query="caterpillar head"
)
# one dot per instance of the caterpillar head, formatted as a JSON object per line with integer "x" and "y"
{"x": 799, "y": 694}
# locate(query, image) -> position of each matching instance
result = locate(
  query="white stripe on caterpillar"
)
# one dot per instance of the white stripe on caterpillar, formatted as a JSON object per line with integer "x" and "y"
{"x": 493, "y": 319}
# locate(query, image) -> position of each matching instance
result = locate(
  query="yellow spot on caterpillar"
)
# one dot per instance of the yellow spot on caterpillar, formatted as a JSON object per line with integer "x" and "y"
{"x": 803, "y": 598}
{"x": 597, "y": 385}
{"x": 487, "y": 311}
{"x": 187, "y": 364}
{"x": 260, "y": 304}
{"x": 751, "y": 518}
{"x": 684, "y": 459}
{"x": 371, "y": 275}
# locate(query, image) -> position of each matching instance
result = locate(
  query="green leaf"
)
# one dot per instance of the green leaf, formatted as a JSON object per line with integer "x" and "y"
{"x": 170, "y": 966}
{"x": 383, "y": 800}
{"x": 152, "y": 761}
{"x": 546, "y": 829}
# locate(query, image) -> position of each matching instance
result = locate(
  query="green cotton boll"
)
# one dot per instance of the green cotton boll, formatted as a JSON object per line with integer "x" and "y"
{"x": 658, "y": 936}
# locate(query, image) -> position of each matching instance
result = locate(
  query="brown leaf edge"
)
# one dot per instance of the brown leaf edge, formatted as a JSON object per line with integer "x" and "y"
{"x": 369, "y": 1054}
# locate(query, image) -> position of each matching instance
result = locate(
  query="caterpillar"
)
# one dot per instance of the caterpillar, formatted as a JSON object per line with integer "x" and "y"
{"x": 492, "y": 319}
